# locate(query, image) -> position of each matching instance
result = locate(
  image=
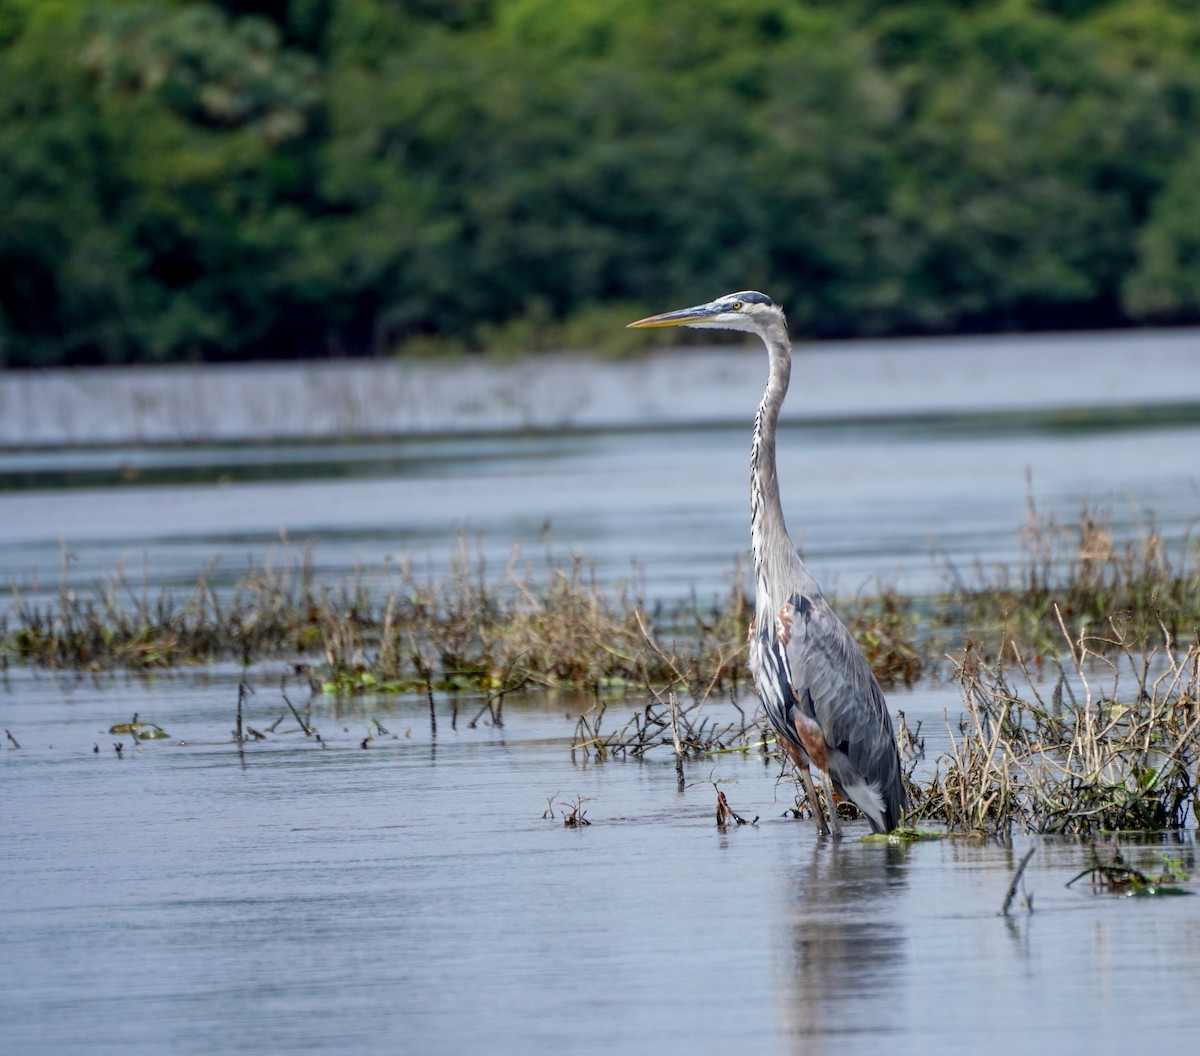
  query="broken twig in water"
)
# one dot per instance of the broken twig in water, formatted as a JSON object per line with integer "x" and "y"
{"x": 243, "y": 690}
{"x": 725, "y": 812}
{"x": 1012, "y": 888}
{"x": 576, "y": 818}
{"x": 303, "y": 725}
{"x": 674, "y": 706}
{"x": 425, "y": 673}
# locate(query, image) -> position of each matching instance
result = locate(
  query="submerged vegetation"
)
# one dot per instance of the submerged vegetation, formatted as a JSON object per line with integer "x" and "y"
{"x": 1079, "y": 669}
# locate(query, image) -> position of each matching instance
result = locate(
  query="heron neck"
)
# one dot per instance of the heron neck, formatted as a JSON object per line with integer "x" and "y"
{"x": 768, "y": 531}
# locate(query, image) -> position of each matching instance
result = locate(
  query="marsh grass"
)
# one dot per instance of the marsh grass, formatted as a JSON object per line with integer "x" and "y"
{"x": 1085, "y": 574}
{"x": 122, "y": 624}
{"x": 678, "y": 688}
{"x": 549, "y": 624}
{"x": 1112, "y": 742}
{"x": 887, "y": 628}
{"x": 546, "y": 623}
{"x": 1079, "y": 679}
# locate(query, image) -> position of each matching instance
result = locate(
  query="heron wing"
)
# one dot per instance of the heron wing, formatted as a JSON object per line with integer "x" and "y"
{"x": 833, "y": 684}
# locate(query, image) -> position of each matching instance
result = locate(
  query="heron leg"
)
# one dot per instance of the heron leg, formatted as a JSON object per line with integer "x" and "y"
{"x": 816, "y": 753}
{"x": 833, "y": 818}
{"x": 818, "y": 813}
{"x": 798, "y": 757}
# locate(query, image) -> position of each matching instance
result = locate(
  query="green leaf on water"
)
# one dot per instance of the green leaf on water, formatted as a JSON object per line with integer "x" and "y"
{"x": 153, "y": 733}
{"x": 360, "y": 682}
{"x": 1153, "y": 890}
{"x": 143, "y": 731}
{"x": 903, "y": 836}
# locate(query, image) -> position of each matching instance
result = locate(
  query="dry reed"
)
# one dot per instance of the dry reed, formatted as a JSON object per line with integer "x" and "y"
{"x": 1086, "y": 574}
{"x": 1111, "y": 743}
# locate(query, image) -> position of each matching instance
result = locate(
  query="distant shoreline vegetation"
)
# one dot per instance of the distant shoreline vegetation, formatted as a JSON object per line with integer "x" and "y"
{"x": 221, "y": 181}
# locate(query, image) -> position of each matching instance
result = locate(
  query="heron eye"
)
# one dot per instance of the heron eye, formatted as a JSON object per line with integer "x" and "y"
{"x": 736, "y": 306}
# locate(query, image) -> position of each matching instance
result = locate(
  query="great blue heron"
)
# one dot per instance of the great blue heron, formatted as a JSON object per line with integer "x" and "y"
{"x": 818, "y": 689}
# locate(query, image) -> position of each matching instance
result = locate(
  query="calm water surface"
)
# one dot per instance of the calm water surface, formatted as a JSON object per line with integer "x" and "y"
{"x": 901, "y": 502}
{"x": 411, "y": 896}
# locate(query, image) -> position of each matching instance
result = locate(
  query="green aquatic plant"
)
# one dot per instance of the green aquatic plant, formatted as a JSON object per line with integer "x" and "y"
{"x": 903, "y": 835}
{"x": 1117, "y": 878}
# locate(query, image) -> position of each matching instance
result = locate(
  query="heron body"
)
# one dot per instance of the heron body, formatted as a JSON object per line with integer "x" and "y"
{"x": 819, "y": 691}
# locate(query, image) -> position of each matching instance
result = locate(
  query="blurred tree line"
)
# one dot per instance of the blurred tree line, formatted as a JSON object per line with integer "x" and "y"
{"x": 219, "y": 180}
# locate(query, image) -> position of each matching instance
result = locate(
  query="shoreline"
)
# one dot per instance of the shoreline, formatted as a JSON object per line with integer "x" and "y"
{"x": 836, "y": 381}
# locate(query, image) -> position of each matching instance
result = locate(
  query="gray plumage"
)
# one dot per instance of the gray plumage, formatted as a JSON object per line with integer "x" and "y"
{"x": 818, "y": 690}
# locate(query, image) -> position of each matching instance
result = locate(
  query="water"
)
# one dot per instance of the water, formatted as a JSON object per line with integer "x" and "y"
{"x": 897, "y": 459}
{"x": 899, "y": 500}
{"x": 183, "y": 896}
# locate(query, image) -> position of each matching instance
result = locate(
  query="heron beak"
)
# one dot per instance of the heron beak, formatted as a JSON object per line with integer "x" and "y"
{"x": 682, "y": 317}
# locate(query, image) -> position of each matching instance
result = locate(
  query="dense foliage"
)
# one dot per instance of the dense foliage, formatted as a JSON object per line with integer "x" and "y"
{"x": 186, "y": 180}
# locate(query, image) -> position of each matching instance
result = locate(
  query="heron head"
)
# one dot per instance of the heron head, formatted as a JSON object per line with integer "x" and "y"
{"x": 753, "y": 312}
